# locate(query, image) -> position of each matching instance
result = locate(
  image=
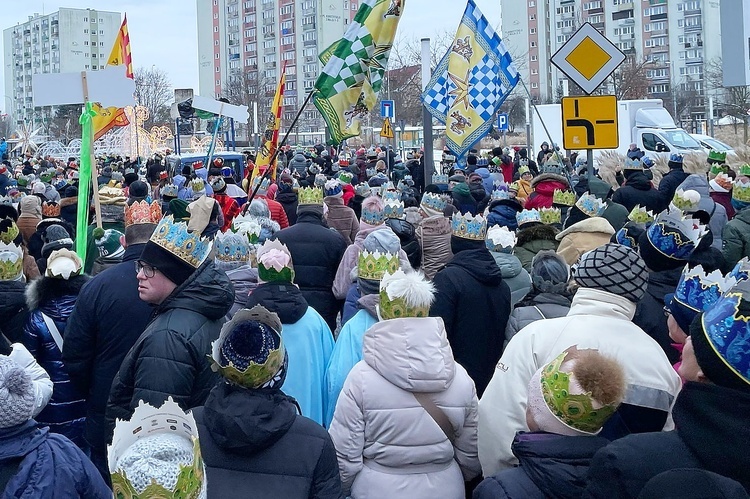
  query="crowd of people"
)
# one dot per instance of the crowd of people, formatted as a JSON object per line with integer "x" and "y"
{"x": 344, "y": 325}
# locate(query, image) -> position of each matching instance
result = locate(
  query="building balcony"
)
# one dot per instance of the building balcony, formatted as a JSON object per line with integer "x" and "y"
{"x": 694, "y": 29}
{"x": 55, "y": 22}
{"x": 693, "y": 12}
{"x": 310, "y": 43}
{"x": 658, "y": 17}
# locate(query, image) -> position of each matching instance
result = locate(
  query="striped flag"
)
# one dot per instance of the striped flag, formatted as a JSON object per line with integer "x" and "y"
{"x": 271, "y": 132}
{"x": 108, "y": 118}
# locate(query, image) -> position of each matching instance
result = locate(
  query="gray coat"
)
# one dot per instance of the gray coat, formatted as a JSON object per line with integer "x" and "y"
{"x": 514, "y": 275}
{"x": 532, "y": 309}
{"x": 717, "y": 212}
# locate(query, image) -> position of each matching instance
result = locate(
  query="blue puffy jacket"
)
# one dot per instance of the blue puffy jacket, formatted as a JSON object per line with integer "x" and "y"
{"x": 503, "y": 213}
{"x": 66, "y": 411}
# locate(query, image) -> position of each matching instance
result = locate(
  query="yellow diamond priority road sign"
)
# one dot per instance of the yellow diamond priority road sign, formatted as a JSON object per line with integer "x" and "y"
{"x": 590, "y": 122}
{"x": 588, "y": 58}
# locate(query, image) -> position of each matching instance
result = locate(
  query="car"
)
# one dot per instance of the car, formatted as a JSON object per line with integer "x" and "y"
{"x": 711, "y": 144}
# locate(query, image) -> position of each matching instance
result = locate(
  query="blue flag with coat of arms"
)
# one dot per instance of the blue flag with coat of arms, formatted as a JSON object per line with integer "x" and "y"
{"x": 471, "y": 82}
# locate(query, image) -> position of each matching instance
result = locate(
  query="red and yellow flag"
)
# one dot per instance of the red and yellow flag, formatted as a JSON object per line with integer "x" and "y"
{"x": 271, "y": 132}
{"x": 108, "y": 118}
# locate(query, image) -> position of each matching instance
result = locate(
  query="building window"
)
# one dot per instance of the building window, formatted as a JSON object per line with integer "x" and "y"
{"x": 534, "y": 84}
{"x": 532, "y": 31}
{"x": 532, "y": 44}
{"x": 216, "y": 29}
{"x": 85, "y": 32}
{"x": 218, "y": 69}
{"x": 535, "y": 71}
{"x": 532, "y": 3}
{"x": 534, "y": 58}
{"x": 216, "y": 56}
{"x": 532, "y": 17}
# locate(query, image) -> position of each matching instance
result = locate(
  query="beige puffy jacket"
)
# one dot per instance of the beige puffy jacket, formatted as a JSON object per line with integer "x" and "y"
{"x": 582, "y": 237}
{"x": 434, "y": 235}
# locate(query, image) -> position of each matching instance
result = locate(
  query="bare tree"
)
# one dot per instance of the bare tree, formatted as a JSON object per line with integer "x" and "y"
{"x": 153, "y": 90}
{"x": 630, "y": 80}
{"x": 64, "y": 124}
{"x": 246, "y": 88}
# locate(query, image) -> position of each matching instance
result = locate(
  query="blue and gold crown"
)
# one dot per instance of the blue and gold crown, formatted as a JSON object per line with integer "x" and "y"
{"x": 499, "y": 194}
{"x": 641, "y": 215}
{"x": 389, "y": 195}
{"x": 467, "y": 226}
{"x": 741, "y": 192}
{"x": 528, "y": 216}
{"x": 728, "y": 330}
{"x": 549, "y": 216}
{"x": 372, "y": 217}
{"x": 231, "y": 247}
{"x": 434, "y": 201}
{"x": 393, "y": 209}
{"x": 169, "y": 190}
{"x": 373, "y": 266}
{"x": 699, "y": 291}
{"x": 675, "y": 236}
{"x": 564, "y": 198}
{"x": 310, "y": 196}
{"x": 176, "y": 239}
{"x": 439, "y": 179}
{"x": 591, "y": 205}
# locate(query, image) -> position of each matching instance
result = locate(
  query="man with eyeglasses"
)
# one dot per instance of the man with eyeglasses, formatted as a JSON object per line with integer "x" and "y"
{"x": 190, "y": 297}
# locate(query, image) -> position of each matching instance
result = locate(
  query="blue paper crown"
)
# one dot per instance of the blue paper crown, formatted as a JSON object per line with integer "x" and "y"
{"x": 674, "y": 236}
{"x": 440, "y": 179}
{"x": 433, "y": 201}
{"x": 528, "y": 216}
{"x": 467, "y": 226}
{"x": 741, "y": 271}
{"x": 392, "y": 196}
{"x": 728, "y": 331}
{"x": 591, "y": 205}
{"x": 169, "y": 190}
{"x": 499, "y": 195}
{"x": 624, "y": 237}
{"x": 175, "y": 238}
{"x": 265, "y": 183}
{"x": 633, "y": 164}
{"x": 231, "y": 247}
{"x": 394, "y": 209}
{"x": 699, "y": 291}
{"x": 375, "y": 217}
{"x": 332, "y": 188}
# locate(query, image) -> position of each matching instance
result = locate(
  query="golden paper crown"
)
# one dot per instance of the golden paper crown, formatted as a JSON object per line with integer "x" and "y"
{"x": 373, "y": 266}
{"x": 564, "y": 198}
{"x": 640, "y": 215}
{"x": 550, "y": 216}
{"x": 310, "y": 195}
{"x": 50, "y": 210}
{"x": 142, "y": 212}
{"x": 741, "y": 192}
{"x": 176, "y": 239}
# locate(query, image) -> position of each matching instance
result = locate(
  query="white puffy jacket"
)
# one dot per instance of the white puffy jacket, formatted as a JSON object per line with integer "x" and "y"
{"x": 597, "y": 320}
{"x": 387, "y": 444}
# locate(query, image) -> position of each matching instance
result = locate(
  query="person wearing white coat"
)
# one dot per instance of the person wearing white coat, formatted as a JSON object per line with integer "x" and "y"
{"x": 387, "y": 443}
{"x": 612, "y": 278}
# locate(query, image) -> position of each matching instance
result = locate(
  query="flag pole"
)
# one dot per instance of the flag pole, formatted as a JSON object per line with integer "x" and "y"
{"x": 544, "y": 125}
{"x": 267, "y": 173}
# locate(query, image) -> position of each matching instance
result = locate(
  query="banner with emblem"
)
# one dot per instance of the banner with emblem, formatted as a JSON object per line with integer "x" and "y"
{"x": 108, "y": 118}
{"x": 348, "y": 86}
{"x": 271, "y": 132}
{"x": 471, "y": 82}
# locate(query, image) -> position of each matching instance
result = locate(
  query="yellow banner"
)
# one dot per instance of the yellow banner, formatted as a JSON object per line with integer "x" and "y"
{"x": 271, "y": 132}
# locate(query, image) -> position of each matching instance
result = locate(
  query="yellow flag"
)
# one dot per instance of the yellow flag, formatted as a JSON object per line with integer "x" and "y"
{"x": 271, "y": 133}
{"x": 108, "y": 118}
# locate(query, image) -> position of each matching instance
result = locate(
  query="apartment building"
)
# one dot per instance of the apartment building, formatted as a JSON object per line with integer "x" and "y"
{"x": 253, "y": 39}
{"x": 65, "y": 41}
{"x": 678, "y": 38}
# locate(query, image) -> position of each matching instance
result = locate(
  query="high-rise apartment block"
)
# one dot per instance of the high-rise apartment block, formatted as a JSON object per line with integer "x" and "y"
{"x": 250, "y": 41}
{"x": 65, "y": 41}
{"x": 678, "y": 39}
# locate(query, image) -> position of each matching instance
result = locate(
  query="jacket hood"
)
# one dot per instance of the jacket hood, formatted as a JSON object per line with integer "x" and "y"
{"x": 545, "y": 299}
{"x": 484, "y": 172}
{"x": 480, "y": 265}
{"x": 369, "y": 303}
{"x": 547, "y": 180}
{"x": 247, "y": 421}
{"x": 537, "y": 232}
{"x": 208, "y": 291}
{"x": 54, "y": 296}
{"x": 12, "y": 298}
{"x": 696, "y": 182}
{"x": 639, "y": 181}
{"x": 286, "y": 197}
{"x": 411, "y": 353}
{"x": 588, "y": 301}
{"x": 18, "y": 441}
{"x": 286, "y": 300}
{"x": 711, "y": 420}
{"x": 557, "y": 464}
{"x": 510, "y": 266}
{"x": 365, "y": 230}
{"x": 662, "y": 283}
{"x": 593, "y": 224}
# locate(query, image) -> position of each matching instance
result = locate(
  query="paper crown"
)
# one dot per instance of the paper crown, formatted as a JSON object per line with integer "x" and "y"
{"x": 549, "y": 216}
{"x": 10, "y": 233}
{"x": 218, "y": 183}
{"x": 142, "y": 212}
{"x": 264, "y": 182}
{"x": 372, "y": 214}
{"x": 320, "y": 180}
{"x": 564, "y": 198}
{"x": 405, "y": 295}
{"x": 238, "y": 368}
{"x": 699, "y": 291}
{"x": 63, "y": 264}
{"x": 499, "y": 194}
{"x": 524, "y": 169}
{"x": 232, "y": 247}
{"x": 346, "y": 178}
{"x": 591, "y": 205}
{"x": 198, "y": 185}
{"x": 467, "y": 226}
{"x": 177, "y": 240}
{"x": 523, "y": 162}
{"x": 247, "y": 226}
{"x": 23, "y": 180}
{"x": 718, "y": 168}
{"x": 310, "y": 196}
{"x": 148, "y": 421}
{"x": 528, "y": 216}
{"x": 46, "y": 176}
{"x": 51, "y": 210}
{"x": 332, "y": 187}
{"x": 741, "y": 271}
{"x": 7, "y": 200}
{"x": 433, "y": 201}
{"x": 633, "y": 164}
{"x": 641, "y": 215}
{"x": 275, "y": 262}
{"x": 686, "y": 200}
{"x": 169, "y": 190}
{"x": 11, "y": 261}
{"x": 721, "y": 183}
{"x": 575, "y": 410}
{"x": 393, "y": 209}
{"x": 372, "y": 266}
{"x": 675, "y": 236}
{"x": 391, "y": 195}
{"x": 500, "y": 239}
{"x": 718, "y": 156}
{"x": 744, "y": 170}
{"x": 741, "y": 192}
{"x": 728, "y": 330}
{"x": 439, "y": 179}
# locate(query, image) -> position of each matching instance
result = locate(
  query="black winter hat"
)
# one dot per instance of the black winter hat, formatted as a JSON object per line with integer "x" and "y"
{"x": 613, "y": 268}
{"x": 138, "y": 190}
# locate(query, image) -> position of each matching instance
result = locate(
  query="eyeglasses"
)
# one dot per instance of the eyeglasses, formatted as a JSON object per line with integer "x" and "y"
{"x": 148, "y": 270}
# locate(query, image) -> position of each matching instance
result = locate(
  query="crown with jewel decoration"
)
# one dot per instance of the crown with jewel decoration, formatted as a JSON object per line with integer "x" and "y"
{"x": 699, "y": 291}
{"x": 686, "y": 200}
{"x": 142, "y": 212}
{"x": 641, "y": 215}
{"x": 51, "y": 209}
{"x": 176, "y": 239}
{"x": 500, "y": 239}
{"x": 564, "y": 198}
{"x": 744, "y": 170}
{"x": 434, "y": 201}
{"x": 439, "y": 179}
{"x": 591, "y": 205}
{"x": 717, "y": 156}
{"x": 675, "y": 236}
{"x": 157, "y": 424}
{"x": 390, "y": 195}
{"x": 528, "y": 216}
{"x": 549, "y": 216}
{"x": 393, "y": 209}
{"x": 633, "y": 164}
{"x": 232, "y": 247}
{"x": 198, "y": 185}
{"x": 467, "y": 226}
{"x": 310, "y": 196}
{"x": 11, "y": 257}
{"x": 169, "y": 190}
{"x": 741, "y": 191}
{"x": 499, "y": 194}
{"x": 373, "y": 266}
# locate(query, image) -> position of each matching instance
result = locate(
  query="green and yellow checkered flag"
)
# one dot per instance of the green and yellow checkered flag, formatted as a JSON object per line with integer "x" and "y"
{"x": 348, "y": 87}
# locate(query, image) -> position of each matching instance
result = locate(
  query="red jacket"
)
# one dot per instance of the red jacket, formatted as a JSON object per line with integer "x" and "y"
{"x": 348, "y": 193}
{"x": 278, "y": 214}
{"x": 545, "y": 186}
{"x": 229, "y": 208}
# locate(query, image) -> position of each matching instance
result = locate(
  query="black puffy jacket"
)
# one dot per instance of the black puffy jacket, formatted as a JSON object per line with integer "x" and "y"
{"x": 407, "y": 235}
{"x": 316, "y": 253}
{"x": 254, "y": 442}
{"x": 474, "y": 303}
{"x": 549, "y": 465}
{"x": 13, "y": 309}
{"x": 669, "y": 184}
{"x": 170, "y": 357}
{"x": 638, "y": 190}
{"x": 649, "y": 314}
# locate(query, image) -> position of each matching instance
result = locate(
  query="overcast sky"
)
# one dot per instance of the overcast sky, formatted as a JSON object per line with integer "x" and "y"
{"x": 163, "y": 32}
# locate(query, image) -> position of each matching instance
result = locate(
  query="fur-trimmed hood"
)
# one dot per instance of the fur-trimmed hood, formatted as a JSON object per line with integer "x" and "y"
{"x": 537, "y": 232}
{"x": 68, "y": 201}
{"x": 45, "y": 292}
{"x": 593, "y": 224}
{"x": 548, "y": 176}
